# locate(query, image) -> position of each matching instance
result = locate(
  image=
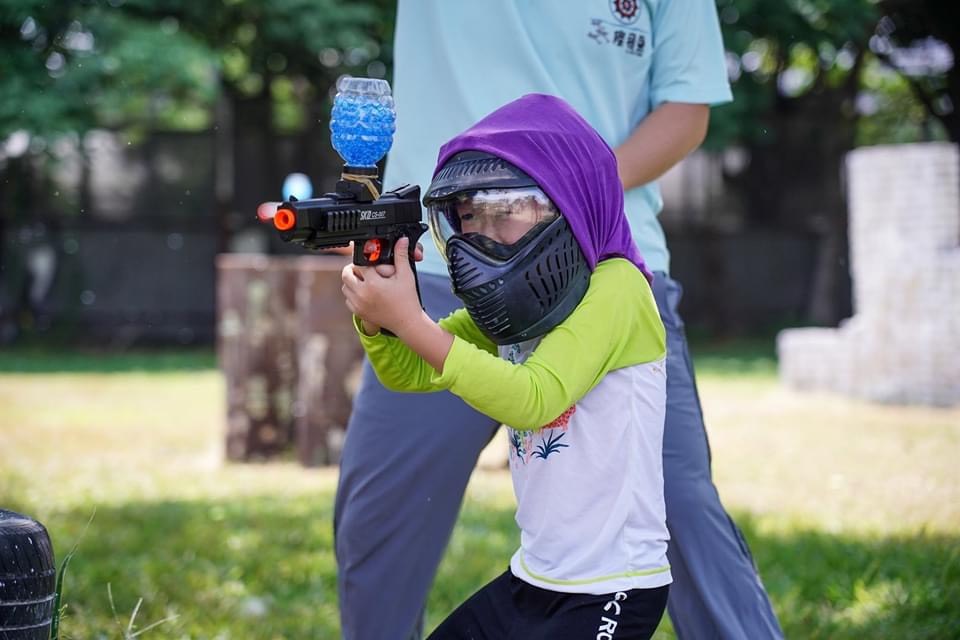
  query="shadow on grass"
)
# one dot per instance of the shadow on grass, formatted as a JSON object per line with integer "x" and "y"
{"x": 263, "y": 567}
{"x": 46, "y": 359}
{"x": 711, "y": 356}
{"x": 735, "y": 356}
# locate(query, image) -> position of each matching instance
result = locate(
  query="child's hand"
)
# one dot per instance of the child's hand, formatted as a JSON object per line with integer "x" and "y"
{"x": 384, "y": 295}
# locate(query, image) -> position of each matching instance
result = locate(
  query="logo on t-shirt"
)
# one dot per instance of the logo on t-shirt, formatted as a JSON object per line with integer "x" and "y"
{"x": 625, "y": 11}
{"x": 623, "y": 32}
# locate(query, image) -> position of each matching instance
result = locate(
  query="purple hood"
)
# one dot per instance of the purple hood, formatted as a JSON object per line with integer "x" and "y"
{"x": 554, "y": 145}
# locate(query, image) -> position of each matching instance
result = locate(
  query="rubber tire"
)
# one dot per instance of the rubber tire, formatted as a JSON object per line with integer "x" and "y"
{"x": 28, "y": 578}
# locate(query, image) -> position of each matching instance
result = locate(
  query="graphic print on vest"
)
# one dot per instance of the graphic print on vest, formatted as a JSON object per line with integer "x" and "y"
{"x": 542, "y": 442}
{"x": 522, "y": 447}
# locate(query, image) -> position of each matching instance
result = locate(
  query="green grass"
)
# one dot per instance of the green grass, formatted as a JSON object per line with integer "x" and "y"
{"x": 852, "y": 510}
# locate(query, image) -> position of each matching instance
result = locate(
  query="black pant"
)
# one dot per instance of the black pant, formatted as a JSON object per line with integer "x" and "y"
{"x": 508, "y": 608}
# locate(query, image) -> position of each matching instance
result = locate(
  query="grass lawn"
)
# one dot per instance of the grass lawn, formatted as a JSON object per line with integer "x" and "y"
{"x": 852, "y": 510}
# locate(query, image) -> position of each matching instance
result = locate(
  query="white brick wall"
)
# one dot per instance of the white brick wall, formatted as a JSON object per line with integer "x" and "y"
{"x": 903, "y": 343}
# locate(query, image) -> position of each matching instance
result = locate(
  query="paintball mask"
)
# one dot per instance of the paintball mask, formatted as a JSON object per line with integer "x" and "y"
{"x": 512, "y": 258}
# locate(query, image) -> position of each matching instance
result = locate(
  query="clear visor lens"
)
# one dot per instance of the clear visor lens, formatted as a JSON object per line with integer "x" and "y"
{"x": 501, "y": 215}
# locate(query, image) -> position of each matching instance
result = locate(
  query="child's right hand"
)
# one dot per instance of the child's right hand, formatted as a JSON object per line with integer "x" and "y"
{"x": 363, "y": 305}
{"x": 387, "y": 270}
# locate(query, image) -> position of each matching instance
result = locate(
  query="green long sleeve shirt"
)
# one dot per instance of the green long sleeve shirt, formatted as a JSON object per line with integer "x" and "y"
{"x": 615, "y": 325}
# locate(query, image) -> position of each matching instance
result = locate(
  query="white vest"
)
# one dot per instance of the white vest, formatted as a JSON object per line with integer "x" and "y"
{"x": 590, "y": 487}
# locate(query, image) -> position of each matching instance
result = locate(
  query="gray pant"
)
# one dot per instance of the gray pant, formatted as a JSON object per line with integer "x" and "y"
{"x": 406, "y": 463}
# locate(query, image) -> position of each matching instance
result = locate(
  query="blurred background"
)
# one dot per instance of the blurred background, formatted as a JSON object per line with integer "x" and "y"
{"x": 137, "y": 138}
{"x": 146, "y": 132}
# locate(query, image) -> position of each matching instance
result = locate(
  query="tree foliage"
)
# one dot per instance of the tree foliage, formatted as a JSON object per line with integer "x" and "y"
{"x": 68, "y": 67}
{"x": 920, "y": 39}
{"x": 902, "y": 53}
{"x": 782, "y": 52}
{"x": 796, "y": 67}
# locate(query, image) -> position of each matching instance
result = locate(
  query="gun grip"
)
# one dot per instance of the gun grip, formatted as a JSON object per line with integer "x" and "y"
{"x": 362, "y": 255}
{"x": 414, "y": 235}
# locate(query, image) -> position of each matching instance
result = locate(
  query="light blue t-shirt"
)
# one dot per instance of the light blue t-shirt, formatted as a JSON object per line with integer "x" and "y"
{"x": 613, "y": 60}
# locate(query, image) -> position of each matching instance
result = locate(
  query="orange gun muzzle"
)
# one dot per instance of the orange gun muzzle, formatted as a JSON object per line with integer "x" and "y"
{"x": 285, "y": 219}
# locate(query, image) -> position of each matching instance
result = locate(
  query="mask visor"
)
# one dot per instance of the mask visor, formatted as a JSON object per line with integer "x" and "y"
{"x": 497, "y": 221}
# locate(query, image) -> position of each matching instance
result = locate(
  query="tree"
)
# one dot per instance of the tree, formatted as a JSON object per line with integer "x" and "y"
{"x": 921, "y": 40}
{"x": 246, "y": 69}
{"x": 66, "y": 68}
{"x": 238, "y": 66}
{"x": 796, "y": 68}
{"x": 279, "y": 57}
{"x": 69, "y": 67}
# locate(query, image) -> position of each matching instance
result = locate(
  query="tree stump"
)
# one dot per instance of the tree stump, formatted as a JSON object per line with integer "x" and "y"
{"x": 327, "y": 351}
{"x": 256, "y": 346}
{"x": 286, "y": 345}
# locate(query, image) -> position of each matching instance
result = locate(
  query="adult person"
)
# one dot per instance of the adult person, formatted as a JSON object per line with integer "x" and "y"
{"x": 643, "y": 75}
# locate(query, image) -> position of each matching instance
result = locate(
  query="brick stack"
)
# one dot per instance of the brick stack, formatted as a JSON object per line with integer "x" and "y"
{"x": 903, "y": 343}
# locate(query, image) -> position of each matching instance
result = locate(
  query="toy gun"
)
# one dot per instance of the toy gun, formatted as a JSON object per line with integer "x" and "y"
{"x": 362, "y": 127}
{"x": 357, "y": 213}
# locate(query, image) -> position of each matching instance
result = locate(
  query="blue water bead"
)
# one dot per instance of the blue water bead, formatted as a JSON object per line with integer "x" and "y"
{"x": 362, "y": 127}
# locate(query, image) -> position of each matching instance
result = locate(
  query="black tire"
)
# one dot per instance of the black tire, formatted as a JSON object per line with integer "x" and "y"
{"x": 28, "y": 578}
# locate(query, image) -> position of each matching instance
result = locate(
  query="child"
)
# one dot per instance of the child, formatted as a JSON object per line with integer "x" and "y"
{"x": 561, "y": 341}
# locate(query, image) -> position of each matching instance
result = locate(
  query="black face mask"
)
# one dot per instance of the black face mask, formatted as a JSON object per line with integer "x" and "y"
{"x": 519, "y": 292}
{"x": 513, "y": 292}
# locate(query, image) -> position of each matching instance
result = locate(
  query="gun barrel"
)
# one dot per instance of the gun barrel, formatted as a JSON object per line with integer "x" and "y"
{"x": 285, "y": 219}
{"x": 337, "y": 219}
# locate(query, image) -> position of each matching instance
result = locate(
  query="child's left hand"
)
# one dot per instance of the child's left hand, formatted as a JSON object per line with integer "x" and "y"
{"x": 384, "y": 295}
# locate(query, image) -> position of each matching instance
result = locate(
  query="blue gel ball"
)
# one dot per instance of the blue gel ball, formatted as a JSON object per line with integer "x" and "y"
{"x": 363, "y": 121}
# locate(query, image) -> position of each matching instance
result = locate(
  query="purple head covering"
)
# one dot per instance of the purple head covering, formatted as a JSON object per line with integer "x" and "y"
{"x": 554, "y": 145}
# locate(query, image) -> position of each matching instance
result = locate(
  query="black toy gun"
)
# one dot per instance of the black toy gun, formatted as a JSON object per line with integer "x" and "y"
{"x": 358, "y": 212}
{"x": 355, "y": 212}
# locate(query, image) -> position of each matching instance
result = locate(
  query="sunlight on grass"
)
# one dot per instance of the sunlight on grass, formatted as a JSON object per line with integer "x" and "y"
{"x": 852, "y": 510}
{"x": 872, "y": 601}
{"x": 830, "y": 462}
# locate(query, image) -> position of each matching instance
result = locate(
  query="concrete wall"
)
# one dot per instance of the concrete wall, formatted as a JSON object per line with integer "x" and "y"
{"x": 903, "y": 342}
